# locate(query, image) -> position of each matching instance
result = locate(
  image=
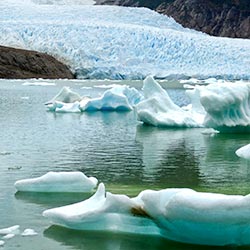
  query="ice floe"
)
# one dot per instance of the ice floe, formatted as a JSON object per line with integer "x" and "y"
{"x": 58, "y": 182}
{"x": 10, "y": 230}
{"x": 182, "y": 215}
{"x": 244, "y": 152}
{"x": 131, "y": 43}
{"x": 2, "y": 243}
{"x": 38, "y": 84}
{"x": 29, "y": 232}
{"x": 118, "y": 98}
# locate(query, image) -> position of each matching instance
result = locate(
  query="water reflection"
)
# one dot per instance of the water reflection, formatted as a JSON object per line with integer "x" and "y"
{"x": 116, "y": 241}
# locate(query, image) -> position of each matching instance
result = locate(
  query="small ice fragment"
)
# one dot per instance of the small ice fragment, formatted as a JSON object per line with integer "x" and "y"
{"x": 244, "y": 152}
{"x": 10, "y": 230}
{"x": 8, "y": 236}
{"x": 1, "y": 243}
{"x": 29, "y": 232}
{"x": 210, "y": 131}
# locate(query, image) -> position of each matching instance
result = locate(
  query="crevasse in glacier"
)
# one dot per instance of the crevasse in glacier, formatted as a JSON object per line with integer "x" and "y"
{"x": 181, "y": 215}
{"x": 58, "y": 182}
{"x": 120, "y": 43}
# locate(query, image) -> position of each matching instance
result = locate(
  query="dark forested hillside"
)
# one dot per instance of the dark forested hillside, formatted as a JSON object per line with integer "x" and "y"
{"x": 228, "y": 18}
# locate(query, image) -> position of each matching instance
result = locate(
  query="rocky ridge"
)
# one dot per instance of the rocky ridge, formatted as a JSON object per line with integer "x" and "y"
{"x": 23, "y": 64}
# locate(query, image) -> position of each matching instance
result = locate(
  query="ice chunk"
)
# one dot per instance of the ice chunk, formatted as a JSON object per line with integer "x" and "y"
{"x": 226, "y": 105}
{"x": 1, "y": 243}
{"x": 182, "y": 215}
{"x": 118, "y": 98}
{"x": 29, "y": 232}
{"x": 159, "y": 110}
{"x": 66, "y": 95}
{"x": 10, "y": 230}
{"x": 244, "y": 152}
{"x": 210, "y": 131}
{"x": 58, "y": 182}
{"x": 8, "y": 236}
{"x": 121, "y": 98}
{"x": 104, "y": 211}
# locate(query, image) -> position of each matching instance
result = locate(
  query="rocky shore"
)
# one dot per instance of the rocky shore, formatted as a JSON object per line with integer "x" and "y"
{"x": 23, "y": 64}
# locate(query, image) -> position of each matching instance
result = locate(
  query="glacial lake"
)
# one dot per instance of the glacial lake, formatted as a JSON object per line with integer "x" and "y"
{"x": 115, "y": 148}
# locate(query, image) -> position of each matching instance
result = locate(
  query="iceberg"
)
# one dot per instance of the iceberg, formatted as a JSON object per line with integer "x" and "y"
{"x": 182, "y": 215}
{"x": 58, "y": 182}
{"x": 226, "y": 105}
{"x": 118, "y": 98}
{"x": 221, "y": 106}
{"x": 10, "y": 230}
{"x": 244, "y": 152}
{"x": 158, "y": 109}
{"x": 29, "y": 232}
{"x": 104, "y": 211}
{"x": 2, "y": 243}
{"x": 132, "y": 43}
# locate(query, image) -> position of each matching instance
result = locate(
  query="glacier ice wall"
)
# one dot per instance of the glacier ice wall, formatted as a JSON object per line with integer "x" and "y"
{"x": 120, "y": 43}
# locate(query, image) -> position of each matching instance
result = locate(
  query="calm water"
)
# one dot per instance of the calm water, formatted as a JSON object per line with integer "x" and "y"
{"x": 113, "y": 147}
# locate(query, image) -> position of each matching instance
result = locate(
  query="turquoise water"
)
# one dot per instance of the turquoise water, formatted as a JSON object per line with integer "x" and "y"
{"x": 127, "y": 156}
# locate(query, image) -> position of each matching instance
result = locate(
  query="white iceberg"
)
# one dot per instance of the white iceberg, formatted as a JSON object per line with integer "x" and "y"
{"x": 2, "y": 243}
{"x": 226, "y": 105}
{"x": 58, "y": 182}
{"x": 104, "y": 211}
{"x": 222, "y": 106}
{"x": 10, "y": 230}
{"x": 131, "y": 42}
{"x": 66, "y": 95}
{"x": 29, "y": 232}
{"x": 8, "y": 236}
{"x": 118, "y": 98}
{"x": 182, "y": 215}
{"x": 158, "y": 109}
{"x": 244, "y": 152}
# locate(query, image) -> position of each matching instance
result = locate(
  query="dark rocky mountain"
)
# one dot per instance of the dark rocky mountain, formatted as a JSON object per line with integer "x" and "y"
{"x": 227, "y": 18}
{"x": 21, "y": 64}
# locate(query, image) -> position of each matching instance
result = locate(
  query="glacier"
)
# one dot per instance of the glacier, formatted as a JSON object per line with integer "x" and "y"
{"x": 58, "y": 182}
{"x": 99, "y": 42}
{"x": 178, "y": 214}
{"x": 222, "y": 106}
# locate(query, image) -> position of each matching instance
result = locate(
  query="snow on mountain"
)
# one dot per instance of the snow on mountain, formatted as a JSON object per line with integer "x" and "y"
{"x": 120, "y": 43}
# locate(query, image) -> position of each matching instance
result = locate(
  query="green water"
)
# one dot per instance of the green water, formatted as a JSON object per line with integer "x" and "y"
{"x": 113, "y": 147}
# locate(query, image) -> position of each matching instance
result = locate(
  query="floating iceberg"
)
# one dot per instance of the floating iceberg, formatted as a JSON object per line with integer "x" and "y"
{"x": 58, "y": 182}
{"x": 104, "y": 211}
{"x": 222, "y": 106}
{"x": 181, "y": 215}
{"x": 226, "y": 105}
{"x": 118, "y": 98}
{"x": 10, "y": 230}
{"x": 29, "y": 232}
{"x": 244, "y": 152}
{"x": 2, "y": 243}
{"x": 159, "y": 110}
{"x": 131, "y": 42}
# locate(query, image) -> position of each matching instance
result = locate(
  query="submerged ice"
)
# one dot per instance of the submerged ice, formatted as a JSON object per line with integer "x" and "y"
{"x": 119, "y": 43}
{"x": 58, "y": 182}
{"x": 182, "y": 215}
